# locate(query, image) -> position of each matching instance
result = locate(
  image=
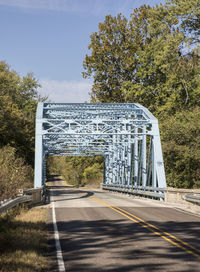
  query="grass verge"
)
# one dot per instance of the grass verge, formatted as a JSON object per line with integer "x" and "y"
{"x": 23, "y": 241}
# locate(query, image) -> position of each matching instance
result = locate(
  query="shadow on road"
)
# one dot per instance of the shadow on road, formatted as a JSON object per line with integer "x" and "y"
{"x": 70, "y": 193}
{"x": 56, "y": 189}
{"x": 120, "y": 245}
{"x": 56, "y": 182}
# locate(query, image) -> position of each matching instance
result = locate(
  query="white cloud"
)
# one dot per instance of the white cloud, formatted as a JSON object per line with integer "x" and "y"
{"x": 66, "y": 91}
{"x": 96, "y": 7}
{"x": 59, "y": 5}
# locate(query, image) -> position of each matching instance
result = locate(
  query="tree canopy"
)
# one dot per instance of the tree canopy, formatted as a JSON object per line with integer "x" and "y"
{"x": 152, "y": 59}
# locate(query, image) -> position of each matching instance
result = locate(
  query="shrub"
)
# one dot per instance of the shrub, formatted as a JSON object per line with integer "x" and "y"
{"x": 14, "y": 173}
{"x": 93, "y": 173}
{"x": 181, "y": 148}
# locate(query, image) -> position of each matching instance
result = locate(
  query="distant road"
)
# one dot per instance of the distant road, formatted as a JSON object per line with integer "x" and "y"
{"x": 100, "y": 231}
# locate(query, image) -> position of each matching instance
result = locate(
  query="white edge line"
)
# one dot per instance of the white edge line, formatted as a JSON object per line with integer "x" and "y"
{"x": 61, "y": 265}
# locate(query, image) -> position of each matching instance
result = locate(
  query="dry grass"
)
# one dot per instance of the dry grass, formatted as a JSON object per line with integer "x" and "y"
{"x": 23, "y": 241}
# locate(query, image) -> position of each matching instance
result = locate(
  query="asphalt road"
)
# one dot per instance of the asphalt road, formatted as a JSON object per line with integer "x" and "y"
{"x": 100, "y": 231}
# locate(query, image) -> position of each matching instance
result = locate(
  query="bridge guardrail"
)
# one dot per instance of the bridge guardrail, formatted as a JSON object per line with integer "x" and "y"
{"x": 37, "y": 194}
{"x": 33, "y": 195}
{"x": 139, "y": 190}
{"x": 14, "y": 202}
{"x": 192, "y": 198}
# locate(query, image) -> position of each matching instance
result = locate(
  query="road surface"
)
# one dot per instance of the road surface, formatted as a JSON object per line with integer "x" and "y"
{"x": 102, "y": 231}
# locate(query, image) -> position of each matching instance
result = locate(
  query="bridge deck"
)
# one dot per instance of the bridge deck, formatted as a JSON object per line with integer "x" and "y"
{"x": 101, "y": 231}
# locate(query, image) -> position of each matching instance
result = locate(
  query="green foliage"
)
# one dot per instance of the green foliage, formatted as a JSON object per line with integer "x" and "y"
{"x": 188, "y": 13}
{"x": 147, "y": 60}
{"x": 77, "y": 170}
{"x": 181, "y": 148}
{"x": 93, "y": 174}
{"x": 14, "y": 173}
{"x": 18, "y": 101}
{"x": 106, "y": 59}
{"x": 113, "y": 59}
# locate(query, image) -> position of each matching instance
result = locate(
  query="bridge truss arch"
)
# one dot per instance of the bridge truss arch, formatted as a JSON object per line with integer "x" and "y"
{"x": 126, "y": 135}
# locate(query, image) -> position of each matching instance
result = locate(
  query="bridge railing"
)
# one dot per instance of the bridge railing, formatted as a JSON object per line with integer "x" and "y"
{"x": 194, "y": 198}
{"x": 147, "y": 191}
{"x": 30, "y": 195}
{"x": 10, "y": 203}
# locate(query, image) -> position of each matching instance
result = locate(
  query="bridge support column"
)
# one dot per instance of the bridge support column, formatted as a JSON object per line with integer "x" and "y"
{"x": 39, "y": 156}
{"x": 104, "y": 172}
{"x": 136, "y": 157}
{"x": 144, "y": 155}
{"x": 110, "y": 156}
{"x": 131, "y": 164}
{"x": 119, "y": 165}
{"x": 123, "y": 166}
{"x": 128, "y": 162}
{"x": 106, "y": 169}
{"x": 114, "y": 155}
{"x": 157, "y": 164}
{"x": 153, "y": 167}
{"x": 149, "y": 164}
{"x": 108, "y": 175}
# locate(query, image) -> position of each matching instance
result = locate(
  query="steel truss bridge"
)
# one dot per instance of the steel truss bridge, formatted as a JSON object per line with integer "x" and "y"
{"x": 126, "y": 135}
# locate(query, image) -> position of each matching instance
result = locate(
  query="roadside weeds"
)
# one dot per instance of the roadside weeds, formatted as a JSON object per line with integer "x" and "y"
{"x": 23, "y": 240}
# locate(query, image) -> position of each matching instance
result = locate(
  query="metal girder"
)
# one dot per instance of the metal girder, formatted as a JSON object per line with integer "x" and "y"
{"x": 127, "y": 135}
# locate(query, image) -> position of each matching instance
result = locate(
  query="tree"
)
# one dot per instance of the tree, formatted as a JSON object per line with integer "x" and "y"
{"x": 167, "y": 72}
{"x": 113, "y": 59}
{"x": 145, "y": 60}
{"x": 188, "y": 13}
{"x": 77, "y": 170}
{"x": 18, "y": 101}
{"x": 106, "y": 62}
{"x": 93, "y": 174}
{"x": 14, "y": 173}
{"x": 181, "y": 148}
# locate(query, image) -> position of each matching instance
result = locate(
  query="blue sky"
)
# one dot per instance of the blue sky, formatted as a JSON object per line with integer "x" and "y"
{"x": 50, "y": 39}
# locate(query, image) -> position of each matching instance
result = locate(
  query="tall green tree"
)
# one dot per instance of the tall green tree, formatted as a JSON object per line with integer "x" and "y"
{"x": 106, "y": 60}
{"x": 146, "y": 60}
{"x": 168, "y": 70}
{"x": 18, "y": 101}
{"x": 113, "y": 58}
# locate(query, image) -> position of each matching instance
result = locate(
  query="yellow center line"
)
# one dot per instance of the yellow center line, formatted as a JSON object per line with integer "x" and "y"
{"x": 150, "y": 227}
{"x": 157, "y": 228}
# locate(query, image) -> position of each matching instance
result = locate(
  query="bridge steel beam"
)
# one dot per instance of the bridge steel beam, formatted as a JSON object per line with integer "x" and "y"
{"x": 39, "y": 154}
{"x": 126, "y": 135}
